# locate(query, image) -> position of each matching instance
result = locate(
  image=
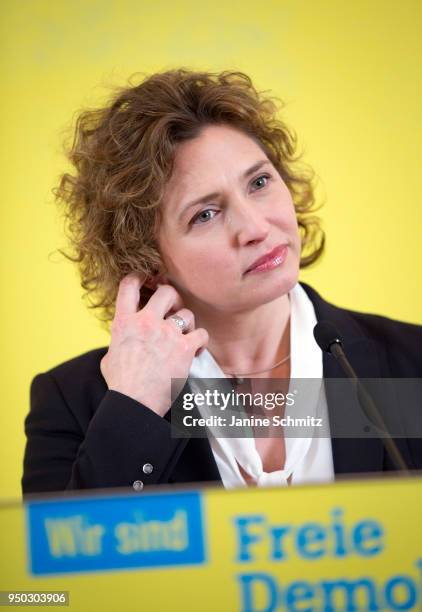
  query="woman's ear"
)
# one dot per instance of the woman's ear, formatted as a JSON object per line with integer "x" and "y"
{"x": 153, "y": 281}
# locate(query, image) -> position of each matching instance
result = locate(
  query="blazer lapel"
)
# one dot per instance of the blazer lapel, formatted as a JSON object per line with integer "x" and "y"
{"x": 350, "y": 455}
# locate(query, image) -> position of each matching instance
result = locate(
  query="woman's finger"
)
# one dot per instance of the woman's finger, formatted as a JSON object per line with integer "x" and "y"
{"x": 188, "y": 318}
{"x": 127, "y": 301}
{"x": 163, "y": 300}
{"x": 198, "y": 339}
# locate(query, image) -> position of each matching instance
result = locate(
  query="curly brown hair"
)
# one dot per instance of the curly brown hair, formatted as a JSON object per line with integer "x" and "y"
{"x": 123, "y": 156}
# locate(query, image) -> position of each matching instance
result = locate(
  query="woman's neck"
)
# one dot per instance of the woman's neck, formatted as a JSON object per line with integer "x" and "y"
{"x": 252, "y": 341}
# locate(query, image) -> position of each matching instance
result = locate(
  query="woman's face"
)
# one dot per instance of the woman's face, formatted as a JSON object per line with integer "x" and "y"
{"x": 225, "y": 206}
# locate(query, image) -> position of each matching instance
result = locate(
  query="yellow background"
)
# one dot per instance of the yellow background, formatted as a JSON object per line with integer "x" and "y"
{"x": 351, "y": 75}
{"x": 393, "y": 504}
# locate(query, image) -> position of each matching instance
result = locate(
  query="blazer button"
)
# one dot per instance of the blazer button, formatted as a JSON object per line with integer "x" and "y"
{"x": 147, "y": 468}
{"x": 138, "y": 485}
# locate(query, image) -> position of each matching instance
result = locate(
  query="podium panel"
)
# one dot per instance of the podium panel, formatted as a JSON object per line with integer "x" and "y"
{"x": 350, "y": 545}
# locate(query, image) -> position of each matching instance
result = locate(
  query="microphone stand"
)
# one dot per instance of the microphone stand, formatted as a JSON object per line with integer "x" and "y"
{"x": 369, "y": 407}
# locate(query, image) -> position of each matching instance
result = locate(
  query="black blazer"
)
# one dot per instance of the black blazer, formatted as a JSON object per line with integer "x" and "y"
{"x": 80, "y": 435}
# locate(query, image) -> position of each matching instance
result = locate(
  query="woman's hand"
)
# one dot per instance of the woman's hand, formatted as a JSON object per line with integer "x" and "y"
{"x": 146, "y": 349}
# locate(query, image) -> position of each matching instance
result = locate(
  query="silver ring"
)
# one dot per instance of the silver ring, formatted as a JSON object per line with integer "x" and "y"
{"x": 181, "y": 323}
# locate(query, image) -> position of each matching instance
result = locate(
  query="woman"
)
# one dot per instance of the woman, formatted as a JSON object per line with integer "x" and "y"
{"x": 189, "y": 221}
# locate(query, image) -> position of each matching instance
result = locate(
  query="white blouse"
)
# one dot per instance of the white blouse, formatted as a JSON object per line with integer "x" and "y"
{"x": 307, "y": 459}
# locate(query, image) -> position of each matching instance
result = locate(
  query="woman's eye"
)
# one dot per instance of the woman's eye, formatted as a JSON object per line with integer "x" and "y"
{"x": 203, "y": 216}
{"x": 261, "y": 181}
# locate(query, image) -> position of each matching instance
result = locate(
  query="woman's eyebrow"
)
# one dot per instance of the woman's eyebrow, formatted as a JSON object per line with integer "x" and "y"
{"x": 215, "y": 194}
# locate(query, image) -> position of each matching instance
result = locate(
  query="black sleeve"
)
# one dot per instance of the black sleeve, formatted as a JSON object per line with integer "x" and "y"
{"x": 121, "y": 437}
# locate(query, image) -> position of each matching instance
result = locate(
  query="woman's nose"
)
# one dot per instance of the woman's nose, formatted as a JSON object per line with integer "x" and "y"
{"x": 249, "y": 224}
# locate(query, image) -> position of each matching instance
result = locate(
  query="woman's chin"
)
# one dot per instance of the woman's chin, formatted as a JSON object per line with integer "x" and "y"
{"x": 275, "y": 283}
{"x": 261, "y": 288}
{"x": 266, "y": 290}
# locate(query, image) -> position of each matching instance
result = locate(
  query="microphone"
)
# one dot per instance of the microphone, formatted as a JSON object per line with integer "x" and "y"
{"x": 329, "y": 341}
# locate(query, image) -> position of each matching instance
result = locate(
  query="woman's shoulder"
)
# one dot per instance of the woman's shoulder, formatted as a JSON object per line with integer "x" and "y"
{"x": 87, "y": 362}
{"x": 371, "y": 322}
{"x": 76, "y": 376}
{"x": 399, "y": 340}
{"x": 397, "y": 343}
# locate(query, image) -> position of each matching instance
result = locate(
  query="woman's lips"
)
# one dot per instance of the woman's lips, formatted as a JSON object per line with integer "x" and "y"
{"x": 270, "y": 261}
